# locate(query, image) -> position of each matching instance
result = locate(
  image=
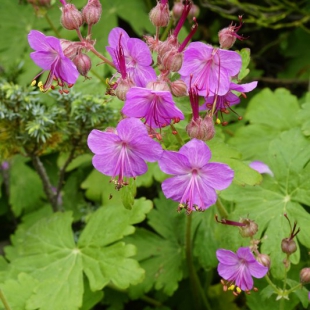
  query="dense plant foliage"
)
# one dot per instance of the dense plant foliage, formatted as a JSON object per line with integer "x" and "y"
{"x": 204, "y": 204}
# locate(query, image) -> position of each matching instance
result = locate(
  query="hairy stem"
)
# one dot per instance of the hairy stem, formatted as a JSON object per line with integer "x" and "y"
{"x": 47, "y": 186}
{"x": 99, "y": 55}
{"x": 4, "y": 301}
{"x": 220, "y": 207}
{"x": 199, "y": 296}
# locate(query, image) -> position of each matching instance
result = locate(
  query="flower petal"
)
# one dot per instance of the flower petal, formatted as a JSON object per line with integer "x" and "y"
{"x": 139, "y": 51}
{"x": 244, "y": 279}
{"x": 227, "y": 257}
{"x": 66, "y": 70}
{"x": 102, "y": 143}
{"x": 257, "y": 270}
{"x": 217, "y": 175}
{"x": 115, "y": 35}
{"x": 261, "y": 167}
{"x": 197, "y": 153}
{"x": 43, "y": 59}
{"x": 174, "y": 163}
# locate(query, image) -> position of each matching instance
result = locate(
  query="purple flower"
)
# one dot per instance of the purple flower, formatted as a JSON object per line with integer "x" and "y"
{"x": 123, "y": 152}
{"x": 239, "y": 268}
{"x": 195, "y": 180}
{"x": 260, "y": 167}
{"x": 49, "y": 56}
{"x": 138, "y": 58}
{"x": 156, "y": 107}
{"x": 226, "y": 101}
{"x": 211, "y": 68}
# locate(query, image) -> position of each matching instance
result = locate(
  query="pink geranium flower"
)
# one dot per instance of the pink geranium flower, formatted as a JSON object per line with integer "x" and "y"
{"x": 155, "y": 106}
{"x": 239, "y": 268}
{"x": 122, "y": 152}
{"x": 195, "y": 179}
{"x": 138, "y": 58}
{"x": 49, "y": 56}
{"x": 211, "y": 68}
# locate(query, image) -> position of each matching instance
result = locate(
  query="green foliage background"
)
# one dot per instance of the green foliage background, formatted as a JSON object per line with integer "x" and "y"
{"x": 128, "y": 249}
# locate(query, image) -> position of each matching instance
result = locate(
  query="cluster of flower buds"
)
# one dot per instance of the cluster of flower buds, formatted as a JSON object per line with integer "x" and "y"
{"x": 73, "y": 19}
{"x": 178, "y": 8}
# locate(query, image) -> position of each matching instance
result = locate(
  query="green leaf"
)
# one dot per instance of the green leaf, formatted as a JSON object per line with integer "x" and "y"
{"x": 280, "y": 195}
{"x": 128, "y": 194}
{"x": 26, "y": 190}
{"x": 162, "y": 254}
{"x": 269, "y": 113}
{"x": 47, "y": 251}
{"x": 90, "y": 298}
{"x": 224, "y": 153}
{"x": 301, "y": 293}
{"x": 303, "y": 116}
{"x": 245, "y": 54}
{"x": 18, "y": 291}
{"x": 104, "y": 259}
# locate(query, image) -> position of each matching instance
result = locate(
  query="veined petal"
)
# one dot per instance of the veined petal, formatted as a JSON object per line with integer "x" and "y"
{"x": 230, "y": 60}
{"x": 197, "y": 152}
{"x": 246, "y": 254}
{"x": 37, "y": 41}
{"x": 175, "y": 187}
{"x": 228, "y": 272}
{"x": 243, "y": 88}
{"x": 227, "y": 257}
{"x": 244, "y": 279}
{"x": 257, "y": 270}
{"x": 174, "y": 163}
{"x": 130, "y": 129}
{"x": 139, "y": 51}
{"x": 217, "y": 175}
{"x": 142, "y": 75}
{"x": 101, "y": 142}
{"x": 114, "y": 38}
{"x": 43, "y": 59}
{"x": 66, "y": 70}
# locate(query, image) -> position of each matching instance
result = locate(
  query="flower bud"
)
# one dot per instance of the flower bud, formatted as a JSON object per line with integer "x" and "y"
{"x": 202, "y": 129}
{"x": 69, "y": 48}
{"x": 71, "y": 17}
{"x": 172, "y": 61}
{"x": 304, "y": 276}
{"x": 264, "y": 259}
{"x": 92, "y": 12}
{"x": 123, "y": 85}
{"x": 177, "y": 10}
{"x": 159, "y": 15}
{"x": 250, "y": 228}
{"x": 194, "y": 12}
{"x": 83, "y": 63}
{"x": 288, "y": 246}
{"x": 178, "y": 88}
{"x": 226, "y": 38}
{"x": 158, "y": 86}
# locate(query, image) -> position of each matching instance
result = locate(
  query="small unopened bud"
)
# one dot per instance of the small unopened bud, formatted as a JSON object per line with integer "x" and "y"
{"x": 304, "y": 275}
{"x": 178, "y": 88}
{"x": 226, "y": 38}
{"x": 177, "y": 10}
{"x": 249, "y": 229}
{"x": 288, "y": 246}
{"x": 202, "y": 129}
{"x": 71, "y": 17}
{"x": 83, "y": 63}
{"x": 159, "y": 15}
{"x": 92, "y": 12}
{"x": 123, "y": 85}
{"x": 69, "y": 48}
{"x": 158, "y": 86}
{"x": 172, "y": 61}
{"x": 264, "y": 259}
{"x": 194, "y": 12}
